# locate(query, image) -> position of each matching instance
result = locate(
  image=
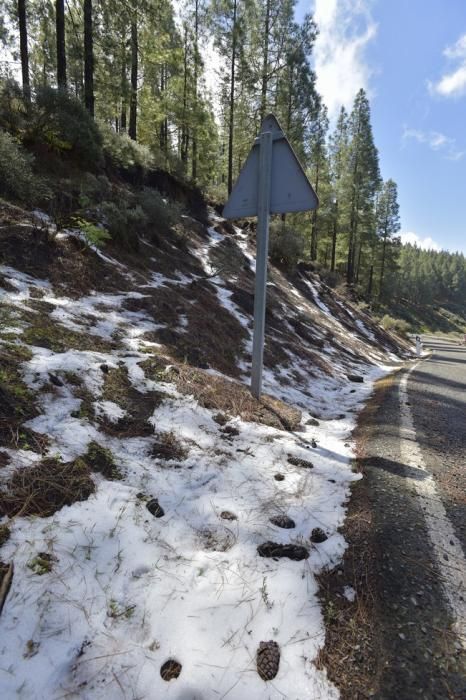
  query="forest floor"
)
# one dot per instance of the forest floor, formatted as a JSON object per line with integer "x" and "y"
{"x": 157, "y": 523}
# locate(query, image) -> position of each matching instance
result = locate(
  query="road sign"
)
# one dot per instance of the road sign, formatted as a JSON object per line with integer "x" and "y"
{"x": 290, "y": 190}
{"x": 272, "y": 181}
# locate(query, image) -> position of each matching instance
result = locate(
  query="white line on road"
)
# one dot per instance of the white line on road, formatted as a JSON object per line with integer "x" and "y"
{"x": 446, "y": 546}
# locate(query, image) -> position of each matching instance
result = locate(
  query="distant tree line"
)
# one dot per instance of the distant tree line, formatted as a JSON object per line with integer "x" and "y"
{"x": 138, "y": 66}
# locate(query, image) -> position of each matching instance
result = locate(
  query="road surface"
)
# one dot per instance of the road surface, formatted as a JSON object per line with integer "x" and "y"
{"x": 415, "y": 465}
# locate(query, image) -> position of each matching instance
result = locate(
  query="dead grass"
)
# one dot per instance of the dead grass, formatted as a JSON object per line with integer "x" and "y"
{"x": 138, "y": 406}
{"x": 17, "y": 402}
{"x": 46, "y": 487}
{"x": 66, "y": 263}
{"x": 4, "y": 534}
{"x": 234, "y": 399}
{"x": 167, "y": 446}
{"x": 47, "y": 333}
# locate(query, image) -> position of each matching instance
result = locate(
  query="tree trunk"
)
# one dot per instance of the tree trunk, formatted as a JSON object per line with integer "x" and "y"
{"x": 232, "y": 101}
{"x": 196, "y": 70}
{"x": 334, "y": 239}
{"x": 61, "y": 51}
{"x": 184, "y": 138}
{"x": 124, "y": 92}
{"x": 23, "y": 44}
{"x": 358, "y": 265}
{"x": 133, "y": 104}
{"x": 265, "y": 62}
{"x": 382, "y": 269}
{"x": 371, "y": 279}
{"x": 88, "y": 58}
{"x": 314, "y": 232}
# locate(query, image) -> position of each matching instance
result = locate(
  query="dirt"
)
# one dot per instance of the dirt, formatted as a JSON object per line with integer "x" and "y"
{"x": 274, "y": 550}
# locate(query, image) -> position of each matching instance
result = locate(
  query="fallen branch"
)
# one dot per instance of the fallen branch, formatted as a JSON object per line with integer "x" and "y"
{"x": 5, "y": 584}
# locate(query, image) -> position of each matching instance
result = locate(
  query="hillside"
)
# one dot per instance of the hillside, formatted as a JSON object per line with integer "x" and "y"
{"x": 153, "y": 510}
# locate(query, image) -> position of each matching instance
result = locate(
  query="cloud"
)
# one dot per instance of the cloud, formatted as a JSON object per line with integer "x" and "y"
{"x": 452, "y": 83}
{"x": 436, "y": 141}
{"x": 424, "y": 243}
{"x": 345, "y": 29}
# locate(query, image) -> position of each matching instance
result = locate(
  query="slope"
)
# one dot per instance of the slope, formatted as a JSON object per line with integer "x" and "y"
{"x": 161, "y": 522}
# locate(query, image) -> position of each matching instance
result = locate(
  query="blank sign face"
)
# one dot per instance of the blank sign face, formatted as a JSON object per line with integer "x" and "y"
{"x": 291, "y": 191}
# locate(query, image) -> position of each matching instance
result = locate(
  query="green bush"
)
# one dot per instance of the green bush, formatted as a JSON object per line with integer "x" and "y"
{"x": 14, "y": 111}
{"x": 397, "y": 325}
{"x": 93, "y": 235}
{"x": 63, "y": 122}
{"x": 93, "y": 190}
{"x": 286, "y": 245}
{"x": 17, "y": 178}
{"x": 124, "y": 223}
{"x": 161, "y": 215}
{"x": 122, "y": 151}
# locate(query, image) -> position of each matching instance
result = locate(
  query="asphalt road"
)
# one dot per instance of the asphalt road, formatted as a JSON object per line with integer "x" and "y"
{"x": 424, "y": 657}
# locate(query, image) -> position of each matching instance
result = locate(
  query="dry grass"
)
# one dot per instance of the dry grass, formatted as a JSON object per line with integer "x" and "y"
{"x": 17, "y": 403}
{"x": 167, "y": 446}
{"x": 234, "y": 399}
{"x": 139, "y": 407}
{"x": 46, "y": 487}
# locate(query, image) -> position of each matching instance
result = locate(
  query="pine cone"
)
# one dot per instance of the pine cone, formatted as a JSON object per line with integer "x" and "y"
{"x": 268, "y": 660}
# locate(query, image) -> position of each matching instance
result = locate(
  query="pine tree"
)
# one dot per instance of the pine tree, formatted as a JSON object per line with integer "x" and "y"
{"x": 388, "y": 223}
{"x": 365, "y": 180}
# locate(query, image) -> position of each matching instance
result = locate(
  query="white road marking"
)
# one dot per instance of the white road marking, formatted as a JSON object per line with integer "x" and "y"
{"x": 447, "y": 548}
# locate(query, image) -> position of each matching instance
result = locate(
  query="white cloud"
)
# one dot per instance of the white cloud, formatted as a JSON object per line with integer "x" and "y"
{"x": 436, "y": 141}
{"x": 424, "y": 243}
{"x": 345, "y": 29}
{"x": 453, "y": 82}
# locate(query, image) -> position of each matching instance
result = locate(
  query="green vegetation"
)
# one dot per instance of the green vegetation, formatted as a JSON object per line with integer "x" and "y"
{"x": 286, "y": 245}
{"x": 143, "y": 107}
{"x": 100, "y": 459}
{"x": 17, "y": 178}
{"x": 93, "y": 235}
{"x": 41, "y": 564}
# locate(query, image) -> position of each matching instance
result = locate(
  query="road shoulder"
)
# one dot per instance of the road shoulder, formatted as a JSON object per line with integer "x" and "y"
{"x": 394, "y": 640}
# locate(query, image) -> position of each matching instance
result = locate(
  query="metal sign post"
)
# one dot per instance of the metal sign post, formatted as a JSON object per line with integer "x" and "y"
{"x": 263, "y": 212}
{"x": 272, "y": 181}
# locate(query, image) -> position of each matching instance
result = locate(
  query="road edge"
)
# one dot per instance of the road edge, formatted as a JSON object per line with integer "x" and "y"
{"x": 353, "y": 654}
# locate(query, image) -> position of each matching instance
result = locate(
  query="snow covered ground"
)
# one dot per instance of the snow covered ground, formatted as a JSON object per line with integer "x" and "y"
{"x": 128, "y": 591}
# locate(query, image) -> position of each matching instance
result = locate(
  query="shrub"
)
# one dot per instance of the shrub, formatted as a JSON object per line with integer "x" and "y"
{"x": 397, "y": 325}
{"x": 63, "y": 122}
{"x": 14, "y": 110}
{"x": 17, "y": 178}
{"x": 114, "y": 218}
{"x": 286, "y": 245}
{"x": 162, "y": 215}
{"x": 124, "y": 223}
{"x": 93, "y": 235}
{"x": 93, "y": 190}
{"x": 123, "y": 151}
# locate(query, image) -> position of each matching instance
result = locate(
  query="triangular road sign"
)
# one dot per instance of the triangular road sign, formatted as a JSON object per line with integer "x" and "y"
{"x": 291, "y": 191}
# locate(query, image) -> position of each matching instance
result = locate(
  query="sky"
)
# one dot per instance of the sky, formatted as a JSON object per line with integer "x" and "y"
{"x": 410, "y": 56}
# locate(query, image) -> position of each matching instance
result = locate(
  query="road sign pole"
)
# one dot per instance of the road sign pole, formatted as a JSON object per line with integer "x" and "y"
{"x": 262, "y": 247}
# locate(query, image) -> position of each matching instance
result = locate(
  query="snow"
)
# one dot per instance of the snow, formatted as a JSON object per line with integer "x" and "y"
{"x": 129, "y": 591}
{"x": 349, "y": 593}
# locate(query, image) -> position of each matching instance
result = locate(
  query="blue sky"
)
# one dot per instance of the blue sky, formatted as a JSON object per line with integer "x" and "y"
{"x": 410, "y": 55}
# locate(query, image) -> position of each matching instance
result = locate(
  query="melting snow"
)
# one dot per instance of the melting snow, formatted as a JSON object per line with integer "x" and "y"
{"x": 129, "y": 591}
